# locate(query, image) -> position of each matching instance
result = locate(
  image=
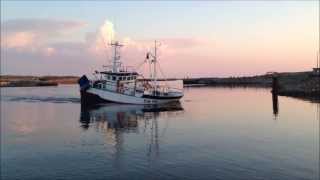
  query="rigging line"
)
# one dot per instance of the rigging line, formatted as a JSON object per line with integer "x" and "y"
{"x": 165, "y": 78}
{"x": 162, "y": 72}
{"x": 165, "y": 128}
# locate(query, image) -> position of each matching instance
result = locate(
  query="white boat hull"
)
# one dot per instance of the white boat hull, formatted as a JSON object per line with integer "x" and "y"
{"x": 98, "y": 95}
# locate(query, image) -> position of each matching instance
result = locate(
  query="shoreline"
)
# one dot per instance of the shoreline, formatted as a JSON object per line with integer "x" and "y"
{"x": 293, "y": 84}
{"x": 34, "y": 81}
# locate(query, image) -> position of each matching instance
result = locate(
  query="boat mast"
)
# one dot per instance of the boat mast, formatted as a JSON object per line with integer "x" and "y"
{"x": 155, "y": 66}
{"x": 116, "y": 58}
{"x": 318, "y": 62}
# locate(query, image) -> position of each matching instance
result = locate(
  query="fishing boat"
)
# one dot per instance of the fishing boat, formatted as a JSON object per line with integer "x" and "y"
{"x": 118, "y": 84}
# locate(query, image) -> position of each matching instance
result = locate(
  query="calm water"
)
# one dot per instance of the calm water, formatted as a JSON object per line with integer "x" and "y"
{"x": 215, "y": 133}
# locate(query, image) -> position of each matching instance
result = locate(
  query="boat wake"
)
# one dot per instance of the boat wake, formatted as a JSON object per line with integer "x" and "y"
{"x": 42, "y": 99}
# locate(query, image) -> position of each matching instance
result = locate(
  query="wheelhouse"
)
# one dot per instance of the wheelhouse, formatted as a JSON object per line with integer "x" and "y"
{"x": 120, "y": 76}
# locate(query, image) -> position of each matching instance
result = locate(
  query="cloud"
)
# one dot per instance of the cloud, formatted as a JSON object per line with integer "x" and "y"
{"x": 184, "y": 43}
{"x": 41, "y": 26}
{"x": 97, "y": 42}
{"x": 33, "y": 46}
{"x": 18, "y": 40}
{"x": 107, "y": 31}
{"x": 28, "y": 63}
{"x": 39, "y": 47}
{"x": 35, "y": 34}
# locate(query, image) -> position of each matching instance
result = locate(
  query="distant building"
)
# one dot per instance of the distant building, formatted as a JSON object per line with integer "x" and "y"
{"x": 316, "y": 71}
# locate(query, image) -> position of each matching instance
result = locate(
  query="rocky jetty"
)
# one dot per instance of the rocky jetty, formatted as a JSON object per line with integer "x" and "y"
{"x": 303, "y": 84}
{"x": 297, "y": 84}
{"x": 262, "y": 81}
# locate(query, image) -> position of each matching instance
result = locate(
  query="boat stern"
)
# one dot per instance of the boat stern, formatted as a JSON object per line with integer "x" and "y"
{"x": 84, "y": 83}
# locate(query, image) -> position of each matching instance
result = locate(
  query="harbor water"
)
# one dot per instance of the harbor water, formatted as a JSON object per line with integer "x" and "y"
{"x": 214, "y": 133}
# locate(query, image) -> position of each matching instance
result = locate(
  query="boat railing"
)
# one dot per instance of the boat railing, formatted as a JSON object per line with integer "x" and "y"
{"x": 118, "y": 89}
{"x": 121, "y": 68}
{"x": 161, "y": 89}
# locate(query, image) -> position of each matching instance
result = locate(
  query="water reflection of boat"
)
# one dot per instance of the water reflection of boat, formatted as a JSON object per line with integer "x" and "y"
{"x": 123, "y": 116}
{"x": 115, "y": 120}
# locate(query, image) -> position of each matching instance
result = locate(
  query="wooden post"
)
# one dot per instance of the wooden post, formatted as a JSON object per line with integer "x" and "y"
{"x": 275, "y": 104}
{"x": 275, "y": 90}
{"x": 275, "y": 84}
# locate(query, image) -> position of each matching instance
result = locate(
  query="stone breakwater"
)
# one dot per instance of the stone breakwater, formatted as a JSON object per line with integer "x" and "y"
{"x": 297, "y": 84}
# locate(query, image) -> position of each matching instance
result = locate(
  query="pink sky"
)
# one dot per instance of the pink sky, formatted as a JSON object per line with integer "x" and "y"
{"x": 47, "y": 46}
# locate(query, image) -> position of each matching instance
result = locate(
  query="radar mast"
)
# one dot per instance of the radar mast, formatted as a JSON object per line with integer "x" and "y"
{"x": 116, "y": 63}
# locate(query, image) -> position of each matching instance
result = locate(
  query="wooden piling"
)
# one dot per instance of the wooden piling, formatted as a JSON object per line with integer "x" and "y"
{"x": 275, "y": 91}
{"x": 275, "y": 84}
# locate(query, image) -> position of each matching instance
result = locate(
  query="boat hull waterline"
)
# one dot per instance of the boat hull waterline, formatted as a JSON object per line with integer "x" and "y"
{"x": 96, "y": 96}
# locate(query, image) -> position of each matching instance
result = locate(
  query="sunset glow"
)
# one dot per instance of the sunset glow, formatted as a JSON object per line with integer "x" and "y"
{"x": 197, "y": 39}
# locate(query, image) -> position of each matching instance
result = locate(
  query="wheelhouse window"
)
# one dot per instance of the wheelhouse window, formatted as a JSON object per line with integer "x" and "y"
{"x": 128, "y": 78}
{"x": 113, "y": 78}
